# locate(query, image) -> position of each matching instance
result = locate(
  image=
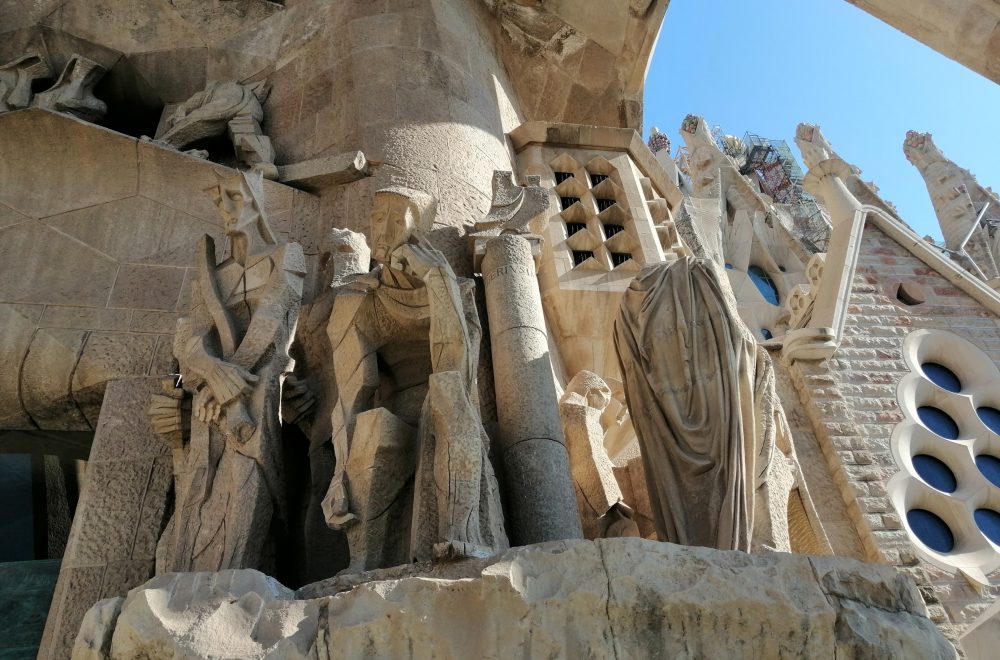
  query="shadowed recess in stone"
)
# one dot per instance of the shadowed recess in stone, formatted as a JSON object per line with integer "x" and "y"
{"x": 938, "y": 421}
{"x": 942, "y": 376}
{"x": 988, "y": 521}
{"x": 931, "y": 530}
{"x": 990, "y": 417}
{"x": 990, "y": 467}
{"x": 935, "y": 472}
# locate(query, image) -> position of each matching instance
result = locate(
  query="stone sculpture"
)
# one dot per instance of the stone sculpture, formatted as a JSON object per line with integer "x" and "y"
{"x": 602, "y": 508}
{"x": 701, "y": 395}
{"x": 405, "y": 346}
{"x": 232, "y": 349}
{"x": 16, "y": 78}
{"x": 225, "y": 107}
{"x": 73, "y": 92}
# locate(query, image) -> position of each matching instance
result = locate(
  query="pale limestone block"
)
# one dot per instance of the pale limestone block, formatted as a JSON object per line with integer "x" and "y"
{"x": 37, "y": 180}
{"x": 608, "y": 598}
{"x": 93, "y": 642}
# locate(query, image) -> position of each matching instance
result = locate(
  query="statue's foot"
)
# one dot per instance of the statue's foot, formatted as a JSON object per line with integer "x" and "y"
{"x": 455, "y": 550}
{"x": 268, "y": 170}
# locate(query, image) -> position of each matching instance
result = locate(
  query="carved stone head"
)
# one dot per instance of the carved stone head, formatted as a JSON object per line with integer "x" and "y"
{"x": 238, "y": 199}
{"x": 589, "y": 387}
{"x": 397, "y": 214}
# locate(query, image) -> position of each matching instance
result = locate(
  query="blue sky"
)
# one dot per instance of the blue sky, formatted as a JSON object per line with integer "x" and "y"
{"x": 766, "y": 65}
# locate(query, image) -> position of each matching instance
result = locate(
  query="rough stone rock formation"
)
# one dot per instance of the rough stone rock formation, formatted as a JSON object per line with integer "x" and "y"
{"x": 623, "y": 598}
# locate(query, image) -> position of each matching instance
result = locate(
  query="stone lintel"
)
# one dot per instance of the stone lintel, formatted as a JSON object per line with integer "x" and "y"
{"x": 311, "y": 175}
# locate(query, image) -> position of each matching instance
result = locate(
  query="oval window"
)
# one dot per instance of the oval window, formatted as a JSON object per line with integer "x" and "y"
{"x": 941, "y": 376}
{"x": 938, "y": 421}
{"x": 931, "y": 530}
{"x": 988, "y": 522}
{"x": 990, "y": 417}
{"x": 935, "y": 473}
{"x": 990, "y": 467}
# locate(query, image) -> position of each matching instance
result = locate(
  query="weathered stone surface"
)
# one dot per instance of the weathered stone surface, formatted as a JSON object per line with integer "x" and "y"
{"x": 624, "y": 598}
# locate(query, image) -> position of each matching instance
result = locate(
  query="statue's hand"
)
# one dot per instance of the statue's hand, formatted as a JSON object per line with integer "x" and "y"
{"x": 165, "y": 416}
{"x": 228, "y": 381}
{"x": 206, "y": 407}
{"x": 421, "y": 259}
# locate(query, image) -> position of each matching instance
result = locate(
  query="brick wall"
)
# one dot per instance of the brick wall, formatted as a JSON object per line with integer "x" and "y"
{"x": 851, "y": 402}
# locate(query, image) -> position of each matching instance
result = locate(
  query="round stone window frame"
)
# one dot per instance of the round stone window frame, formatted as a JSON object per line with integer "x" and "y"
{"x": 974, "y": 554}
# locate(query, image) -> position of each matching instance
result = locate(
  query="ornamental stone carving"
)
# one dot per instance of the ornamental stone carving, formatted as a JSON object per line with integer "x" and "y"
{"x": 16, "y": 78}
{"x": 225, "y": 108}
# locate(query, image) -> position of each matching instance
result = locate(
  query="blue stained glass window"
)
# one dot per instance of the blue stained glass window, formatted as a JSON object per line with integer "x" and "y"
{"x": 942, "y": 376}
{"x": 988, "y": 522}
{"x": 764, "y": 284}
{"x": 990, "y": 467}
{"x": 729, "y": 266}
{"x": 938, "y": 421}
{"x": 931, "y": 530}
{"x": 935, "y": 473}
{"x": 990, "y": 417}
{"x": 766, "y": 334}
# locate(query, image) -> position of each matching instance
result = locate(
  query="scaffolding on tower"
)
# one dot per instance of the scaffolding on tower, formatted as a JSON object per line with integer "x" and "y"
{"x": 778, "y": 173}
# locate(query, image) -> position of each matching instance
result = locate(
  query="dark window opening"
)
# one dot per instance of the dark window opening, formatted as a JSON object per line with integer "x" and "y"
{"x": 938, "y": 421}
{"x": 988, "y": 522}
{"x": 989, "y": 465}
{"x": 41, "y": 474}
{"x": 134, "y": 106}
{"x": 567, "y": 202}
{"x": 618, "y": 258}
{"x": 574, "y": 227}
{"x": 604, "y": 204}
{"x": 579, "y": 256}
{"x": 941, "y": 376}
{"x": 613, "y": 230}
{"x": 935, "y": 472}
{"x": 764, "y": 284}
{"x": 766, "y": 334}
{"x": 782, "y": 269}
{"x": 596, "y": 179}
{"x": 729, "y": 266}
{"x": 990, "y": 417}
{"x": 562, "y": 176}
{"x": 909, "y": 294}
{"x": 931, "y": 530}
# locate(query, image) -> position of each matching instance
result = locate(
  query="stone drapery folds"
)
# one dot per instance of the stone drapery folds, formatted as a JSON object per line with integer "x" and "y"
{"x": 697, "y": 388}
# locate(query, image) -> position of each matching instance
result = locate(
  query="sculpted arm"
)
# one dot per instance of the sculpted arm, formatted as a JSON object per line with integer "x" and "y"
{"x": 450, "y": 336}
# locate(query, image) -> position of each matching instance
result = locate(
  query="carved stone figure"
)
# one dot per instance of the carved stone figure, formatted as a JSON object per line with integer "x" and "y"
{"x": 405, "y": 344}
{"x": 16, "y": 78}
{"x": 73, "y": 92}
{"x": 221, "y": 107}
{"x": 602, "y": 508}
{"x": 701, "y": 395}
{"x": 233, "y": 353}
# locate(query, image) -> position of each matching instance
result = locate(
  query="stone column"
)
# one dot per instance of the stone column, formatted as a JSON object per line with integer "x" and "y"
{"x": 541, "y": 504}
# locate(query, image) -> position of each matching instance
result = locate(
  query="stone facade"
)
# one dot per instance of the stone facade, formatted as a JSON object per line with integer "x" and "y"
{"x": 346, "y": 293}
